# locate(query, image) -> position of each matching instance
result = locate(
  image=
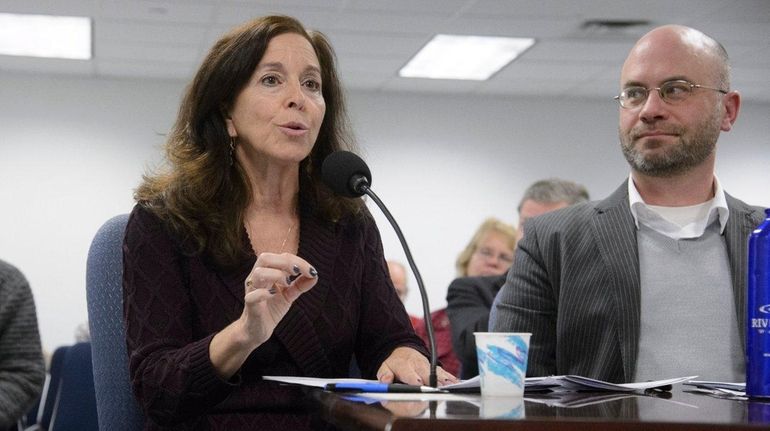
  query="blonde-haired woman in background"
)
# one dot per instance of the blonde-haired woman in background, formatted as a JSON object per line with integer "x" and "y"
{"x": 490, "y": 250}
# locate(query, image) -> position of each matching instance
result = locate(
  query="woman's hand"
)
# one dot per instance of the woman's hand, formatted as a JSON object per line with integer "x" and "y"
{"x": 410, "y": 366}
{"x": 274, "y": 283}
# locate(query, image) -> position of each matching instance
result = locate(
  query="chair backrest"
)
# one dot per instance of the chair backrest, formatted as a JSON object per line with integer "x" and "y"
{"x": 75, "y": 406}
{"x": 117, "y": 408}
{"x": 51, "y": 388}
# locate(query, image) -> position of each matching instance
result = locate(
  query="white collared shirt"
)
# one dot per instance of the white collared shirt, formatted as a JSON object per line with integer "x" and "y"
{"x": 679, "y": 222}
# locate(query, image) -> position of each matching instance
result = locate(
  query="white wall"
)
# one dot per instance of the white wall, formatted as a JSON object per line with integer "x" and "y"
{"x": 72, "y": 149}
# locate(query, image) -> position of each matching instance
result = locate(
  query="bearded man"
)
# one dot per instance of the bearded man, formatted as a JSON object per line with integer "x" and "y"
{"x": 650, "y": 282}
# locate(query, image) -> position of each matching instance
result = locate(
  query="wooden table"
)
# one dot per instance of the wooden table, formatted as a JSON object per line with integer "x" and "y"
{"x": 679, "y": 410}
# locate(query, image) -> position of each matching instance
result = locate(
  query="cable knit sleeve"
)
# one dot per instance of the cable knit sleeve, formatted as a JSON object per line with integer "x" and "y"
{"x": 22, "y": 371}
{"x": 171, "y": 373}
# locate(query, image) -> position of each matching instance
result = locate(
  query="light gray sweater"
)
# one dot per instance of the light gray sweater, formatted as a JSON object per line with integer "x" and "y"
{"x": 22, "y": 370}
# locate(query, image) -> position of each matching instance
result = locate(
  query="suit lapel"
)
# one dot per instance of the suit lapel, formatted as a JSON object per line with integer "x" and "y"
{"x": 741, "y": 221}
{"x": 615, "y": 234}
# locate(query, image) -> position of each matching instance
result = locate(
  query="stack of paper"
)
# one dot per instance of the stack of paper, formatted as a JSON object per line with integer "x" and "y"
{"x": 573, "y": 383}
{"x": 728, "y": 390}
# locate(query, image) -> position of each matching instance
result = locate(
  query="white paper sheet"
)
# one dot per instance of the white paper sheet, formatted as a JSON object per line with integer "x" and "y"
{"x": 562, "y": 383}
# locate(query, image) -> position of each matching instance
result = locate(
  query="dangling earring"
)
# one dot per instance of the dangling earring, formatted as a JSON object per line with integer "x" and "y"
{"x": 232, "y": 150}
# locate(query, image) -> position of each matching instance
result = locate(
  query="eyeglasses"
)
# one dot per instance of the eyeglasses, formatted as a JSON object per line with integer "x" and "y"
{"x": 488, "y": 253}
{"x": 672, "y": 92}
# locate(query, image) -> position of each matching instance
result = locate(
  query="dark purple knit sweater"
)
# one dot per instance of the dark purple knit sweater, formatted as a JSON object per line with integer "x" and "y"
{"x": 174, "y": 304}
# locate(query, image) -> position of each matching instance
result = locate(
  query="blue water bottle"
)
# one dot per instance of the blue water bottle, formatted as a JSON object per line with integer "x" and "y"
{"x": 758, "y": 312}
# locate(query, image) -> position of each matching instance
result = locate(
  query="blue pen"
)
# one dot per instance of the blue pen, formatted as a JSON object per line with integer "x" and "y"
{"x": 379, "y": 387}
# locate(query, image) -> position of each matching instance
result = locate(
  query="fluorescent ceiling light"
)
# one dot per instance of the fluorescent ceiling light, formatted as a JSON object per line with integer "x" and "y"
{"x": 464, "y": 57}
{"x": 45, "y": 36}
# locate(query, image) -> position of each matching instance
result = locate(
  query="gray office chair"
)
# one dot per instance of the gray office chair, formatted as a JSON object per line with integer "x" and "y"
{"x": 116, "y": 406}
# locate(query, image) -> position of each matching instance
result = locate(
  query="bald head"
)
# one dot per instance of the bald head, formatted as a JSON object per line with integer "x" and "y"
{"x": 677, "y": 44}
{"x": 676, "y": 138}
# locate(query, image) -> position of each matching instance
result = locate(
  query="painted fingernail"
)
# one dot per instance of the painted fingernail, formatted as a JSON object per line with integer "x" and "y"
{"x": 313, "y": 272}
{"x": 296, "y": 269}
{"x": 290, "y": 279}
{"x": 272, "y": 290}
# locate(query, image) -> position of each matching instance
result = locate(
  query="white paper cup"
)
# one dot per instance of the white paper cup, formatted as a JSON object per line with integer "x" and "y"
{"x": 502, "y": 360}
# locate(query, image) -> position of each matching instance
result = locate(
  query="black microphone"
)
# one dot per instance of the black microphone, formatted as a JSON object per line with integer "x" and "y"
{"x": 347, "y": 175}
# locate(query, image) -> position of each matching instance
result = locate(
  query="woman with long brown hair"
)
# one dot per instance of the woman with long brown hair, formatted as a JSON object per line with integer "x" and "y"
{"x": 239, "y": 262}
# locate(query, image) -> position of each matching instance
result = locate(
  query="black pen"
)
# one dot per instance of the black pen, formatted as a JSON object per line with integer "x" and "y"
{"x": 380, "y": 388}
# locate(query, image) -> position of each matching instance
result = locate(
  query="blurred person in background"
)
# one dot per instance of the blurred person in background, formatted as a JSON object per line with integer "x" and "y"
{"x": 399, "y": 278}
{"x": 548, "y": 195}
{"x": 490, "y": 250}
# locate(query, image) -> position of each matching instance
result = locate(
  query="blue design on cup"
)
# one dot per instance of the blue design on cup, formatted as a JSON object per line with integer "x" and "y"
{"x": 506, "y": 364}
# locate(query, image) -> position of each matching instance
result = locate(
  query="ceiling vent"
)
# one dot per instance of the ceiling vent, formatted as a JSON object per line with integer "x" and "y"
{"x": 614, "y": 28}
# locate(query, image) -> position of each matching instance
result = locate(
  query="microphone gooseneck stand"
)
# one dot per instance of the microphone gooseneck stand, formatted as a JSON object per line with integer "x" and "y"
{"x": 361, "y": 184}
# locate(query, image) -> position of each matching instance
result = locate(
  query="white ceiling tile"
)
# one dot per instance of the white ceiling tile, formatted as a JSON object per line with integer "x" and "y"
{"x": 373, "y": 65}
{"x": 500, "y": 26}
{"x": 430, "y": 85}
{"x": 315, "y": 4}
{"x": 145, "y": 51}
{"x": 732, "y": 34}
{"x": 145, "y": 69}
{"x": 234, "y": 14}
{"x": 527, "y": 8}
{"x": 376, "y": 45}
{"x": 164, "y": 11}
{"x": 47, "y": 7}
{"x": 596, "y": 9}
{"x": 444, "y": 8}
{"x": 579, "y": 51}
{"x": 551, "y": 70}
{"x": 754, "y": 11}
{"x": 375, "y": 22}
{"x": 183, "y": 34}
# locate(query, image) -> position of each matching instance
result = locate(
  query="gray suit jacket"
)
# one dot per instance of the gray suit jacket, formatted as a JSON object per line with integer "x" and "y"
{"x": 575, "y": 286}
